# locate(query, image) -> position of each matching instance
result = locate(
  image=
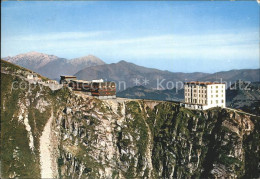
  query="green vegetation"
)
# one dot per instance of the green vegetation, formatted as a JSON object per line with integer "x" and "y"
{"x": 12, "y": 68}
{"x": 17, "y": 158}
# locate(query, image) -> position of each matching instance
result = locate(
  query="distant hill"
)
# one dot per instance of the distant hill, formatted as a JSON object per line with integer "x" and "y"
{"x": 140, "y": 92}
{"x": 129, "y": 72}
{"x": 242, "y": 95}
{"x": 52, "y": 66}
{"x": 232, "y": 76}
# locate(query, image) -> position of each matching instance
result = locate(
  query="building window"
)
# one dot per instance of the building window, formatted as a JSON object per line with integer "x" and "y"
{"x": 216, "y": 86}
{"x": 211, "y": 91}
{"x": 217, "y": 91}
{"x": 217, "y": 101}
{"x": 222, "y": 101}
{"x": 222, "y": 95}
{"x": 222, "y": 91}
{"x": 211, "y": 102}
{"x": 212, "y": 96}
{"x": 211, "y": 87}
{"x": 216, "y": 95}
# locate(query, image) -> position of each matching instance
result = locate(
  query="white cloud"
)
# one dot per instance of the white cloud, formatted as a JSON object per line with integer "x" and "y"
{"x": 202, "y": 46}
{"x": 58, "y": 36}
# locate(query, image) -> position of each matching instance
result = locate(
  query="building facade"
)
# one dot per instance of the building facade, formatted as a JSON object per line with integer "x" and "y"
{"x": 103, "y": 90}
{"x": 96, "y": 88}
{"x": 67, "y": 79}
{"x": 80, "y": 85}
{"x": 204, "y": 95}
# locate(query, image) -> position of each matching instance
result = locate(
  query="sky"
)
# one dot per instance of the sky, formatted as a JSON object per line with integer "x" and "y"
{"x": 201, "y": 36}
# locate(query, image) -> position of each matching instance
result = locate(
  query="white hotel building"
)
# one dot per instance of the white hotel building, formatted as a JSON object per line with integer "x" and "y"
{"x": 204, "y": 95}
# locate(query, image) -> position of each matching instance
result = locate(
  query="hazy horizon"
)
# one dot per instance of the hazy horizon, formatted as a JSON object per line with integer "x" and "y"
{"x": 141, "y": 65}
{"x": 175, "y": 36}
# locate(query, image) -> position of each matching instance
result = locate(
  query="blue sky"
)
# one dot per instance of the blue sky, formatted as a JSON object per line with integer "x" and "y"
{"x": 175, "y": 36}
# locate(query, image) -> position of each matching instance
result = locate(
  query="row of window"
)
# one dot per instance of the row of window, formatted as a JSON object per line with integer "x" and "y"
{"x": 203, "y": 91}
{"x": 204, "y": 96}
{"x": 217, "y": 96}
{"x": 188, "y": 100}
{"x": 195, "y": 95}
{"x": 221, "y": 101}
{"x": 222, "y": 91}
{"x": 194, "y": 90}
{"x": 217, "y": 87}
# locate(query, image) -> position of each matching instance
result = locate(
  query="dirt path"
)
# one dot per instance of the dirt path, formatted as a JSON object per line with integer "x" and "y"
{"x": 45, "y": 151}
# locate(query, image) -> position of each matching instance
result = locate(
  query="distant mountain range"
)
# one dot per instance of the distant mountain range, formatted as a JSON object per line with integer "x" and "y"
{"x": 91, "y": 67}
{"x": 52, "y": 66}
{"x": 129, "y": 73}
{"x": 234, "y": 75}
{"x": 134, "y": 75}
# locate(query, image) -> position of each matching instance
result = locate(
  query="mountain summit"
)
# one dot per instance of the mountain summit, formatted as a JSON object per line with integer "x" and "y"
{"x": 86, "y": 61}
{"x": 32, "y": 60}
{"x": 52, "y": 66}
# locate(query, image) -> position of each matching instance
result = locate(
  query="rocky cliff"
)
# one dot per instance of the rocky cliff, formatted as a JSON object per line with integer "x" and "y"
{"x": 62, "y": 134}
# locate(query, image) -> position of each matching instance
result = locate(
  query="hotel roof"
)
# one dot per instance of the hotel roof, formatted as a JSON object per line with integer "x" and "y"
{"x": 203, "y": 83}
{"x": 81, "y": 81}
{"x": 67, "y": 76}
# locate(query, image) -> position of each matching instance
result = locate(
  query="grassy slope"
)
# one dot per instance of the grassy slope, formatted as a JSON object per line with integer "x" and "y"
{"x": 17, "y": 158}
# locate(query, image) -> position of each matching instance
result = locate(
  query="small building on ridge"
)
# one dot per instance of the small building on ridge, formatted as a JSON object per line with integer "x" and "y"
{"x": 66, "y": 79}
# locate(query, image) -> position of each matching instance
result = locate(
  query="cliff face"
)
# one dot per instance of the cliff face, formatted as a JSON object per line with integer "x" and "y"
{"x": 59, "y": 133}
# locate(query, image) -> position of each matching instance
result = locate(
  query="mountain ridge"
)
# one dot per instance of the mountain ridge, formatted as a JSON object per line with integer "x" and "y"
{"x": 129, "y": 72}
{"x": 53, "y": 66}
{"x": 90, "y": 67}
